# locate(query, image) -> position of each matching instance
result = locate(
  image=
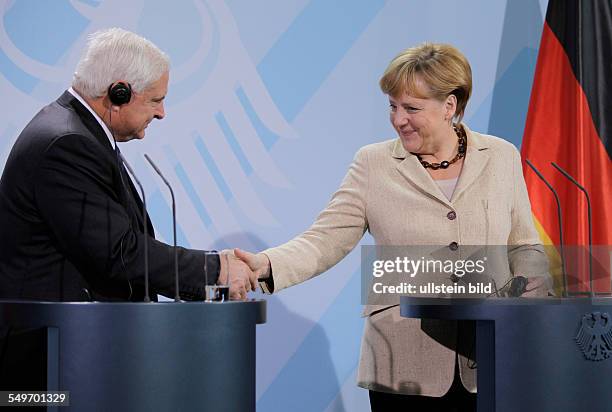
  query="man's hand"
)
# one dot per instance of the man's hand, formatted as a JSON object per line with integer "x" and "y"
{"x": 536, "y": 287}
{"x": 259, "y": 263}
{"x": 241, "y": 277}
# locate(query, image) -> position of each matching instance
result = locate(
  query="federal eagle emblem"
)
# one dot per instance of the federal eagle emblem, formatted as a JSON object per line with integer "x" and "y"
{"x": 595, "y": 336}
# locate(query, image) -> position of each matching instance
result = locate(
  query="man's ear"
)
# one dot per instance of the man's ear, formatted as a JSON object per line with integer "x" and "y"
{"x": 108, "y": 105}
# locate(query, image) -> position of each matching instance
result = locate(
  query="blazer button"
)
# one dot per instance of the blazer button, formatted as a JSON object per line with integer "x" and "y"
{"x": 454, "y": 278}
{"x": 451, "y": 215}
{"x": 453, "y": 246}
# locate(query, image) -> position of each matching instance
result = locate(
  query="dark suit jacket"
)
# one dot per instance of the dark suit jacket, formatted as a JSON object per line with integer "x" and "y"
{"x": 68, "y": 222}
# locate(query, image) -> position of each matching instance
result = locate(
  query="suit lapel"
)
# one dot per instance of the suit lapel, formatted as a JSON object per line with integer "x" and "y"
{"x": 474, "y": 163}
{"x": 128, "y": 194}
{"x": 138, "y": 202}
{"x": 476, "y": 159}
{"x": 414, "y": 172}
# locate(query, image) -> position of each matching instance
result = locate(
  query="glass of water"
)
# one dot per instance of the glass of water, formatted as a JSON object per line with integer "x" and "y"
{"x": 217, "y": 293}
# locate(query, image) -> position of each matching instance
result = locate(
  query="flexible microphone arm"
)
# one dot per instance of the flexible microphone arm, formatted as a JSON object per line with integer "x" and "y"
{"x": 177, "y": 297}
{"x": 571, "y": 179}
{"x": 560, "y": 221}
{"x": 144, "y": 219}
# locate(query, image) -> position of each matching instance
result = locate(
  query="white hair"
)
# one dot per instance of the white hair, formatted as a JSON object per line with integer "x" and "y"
{"x": 116, "y": 54}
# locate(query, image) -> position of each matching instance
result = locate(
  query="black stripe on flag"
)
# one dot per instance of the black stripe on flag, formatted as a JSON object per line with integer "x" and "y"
{"x": 584, "y": 28}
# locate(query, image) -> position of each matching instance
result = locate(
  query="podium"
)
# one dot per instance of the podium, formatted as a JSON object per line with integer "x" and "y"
{"x": 527, "y": 352}
{"x": 146, "y": 356}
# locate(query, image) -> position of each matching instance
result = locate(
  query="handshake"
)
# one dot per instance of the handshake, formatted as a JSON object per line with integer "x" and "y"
{"x": 244, "y": 270}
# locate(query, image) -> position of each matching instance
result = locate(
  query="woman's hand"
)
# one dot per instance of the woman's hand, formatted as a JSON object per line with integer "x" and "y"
{"x": 536, "y": 287}
{"x": 259, "y": 263}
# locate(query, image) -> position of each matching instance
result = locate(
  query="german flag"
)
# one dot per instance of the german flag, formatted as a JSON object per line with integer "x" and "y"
{"x": 569, "y": 122}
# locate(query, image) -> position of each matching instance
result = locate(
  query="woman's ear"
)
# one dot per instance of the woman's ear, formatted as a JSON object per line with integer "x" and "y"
{"x": 450, "y": 106}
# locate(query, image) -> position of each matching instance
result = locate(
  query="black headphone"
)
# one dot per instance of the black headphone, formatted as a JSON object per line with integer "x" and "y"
{"x": 120, "y": 93}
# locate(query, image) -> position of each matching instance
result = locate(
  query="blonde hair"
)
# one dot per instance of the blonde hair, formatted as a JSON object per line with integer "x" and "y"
{"x": 441, "y": 67}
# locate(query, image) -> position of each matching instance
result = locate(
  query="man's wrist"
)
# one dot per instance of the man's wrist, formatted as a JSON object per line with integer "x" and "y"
{"x": 212, "y": 267}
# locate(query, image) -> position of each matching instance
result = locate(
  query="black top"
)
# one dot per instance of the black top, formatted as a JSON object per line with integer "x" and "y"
{"x": 68, "y": 220}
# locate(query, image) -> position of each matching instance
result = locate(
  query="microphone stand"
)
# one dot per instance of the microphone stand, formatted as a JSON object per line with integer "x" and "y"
{"x": 144, "y": 219}
{"x": 586, "y": 194}
{"x": 560, "y": 222}
{"x": 177, "y": 297}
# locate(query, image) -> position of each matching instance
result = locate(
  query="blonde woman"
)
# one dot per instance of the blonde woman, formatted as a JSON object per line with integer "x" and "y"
{"x": 437, "y": 183}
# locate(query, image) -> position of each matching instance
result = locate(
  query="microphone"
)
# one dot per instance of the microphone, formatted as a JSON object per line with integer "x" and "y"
{"x": 560, "y": 221}
{"x": 86, "y": 293}
{"x": 513, "y": 288}
{"x": 571, "y": 179}
{"x": 144, "y": 219}
{"x": 518, "y": 286}
{"x": 177, "y": 297}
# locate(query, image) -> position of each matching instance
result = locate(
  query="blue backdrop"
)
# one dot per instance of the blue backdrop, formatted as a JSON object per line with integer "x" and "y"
{"x": 268, "y": 102}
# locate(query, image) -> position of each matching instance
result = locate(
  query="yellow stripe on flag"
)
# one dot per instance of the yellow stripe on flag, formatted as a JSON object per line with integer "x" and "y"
{"x": 554, "y": 257}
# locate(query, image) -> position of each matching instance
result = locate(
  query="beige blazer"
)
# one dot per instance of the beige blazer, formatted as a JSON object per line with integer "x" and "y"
{"x": 387, "y": 192}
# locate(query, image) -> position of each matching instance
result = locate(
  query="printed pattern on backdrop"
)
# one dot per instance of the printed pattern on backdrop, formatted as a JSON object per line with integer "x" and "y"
{"x": 268, "y": 102}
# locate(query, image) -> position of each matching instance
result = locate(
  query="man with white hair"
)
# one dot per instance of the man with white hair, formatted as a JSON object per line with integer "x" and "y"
{"x": 72, "y": 226}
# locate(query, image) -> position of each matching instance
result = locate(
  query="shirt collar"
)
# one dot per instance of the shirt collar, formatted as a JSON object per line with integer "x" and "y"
{"x": 109, "y": 135}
